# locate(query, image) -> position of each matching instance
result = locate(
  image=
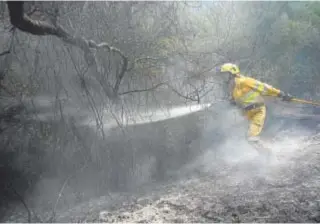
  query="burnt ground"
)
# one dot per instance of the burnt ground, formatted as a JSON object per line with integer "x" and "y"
{"x": 286, "y": 191}
{"x": 188, "y": 182}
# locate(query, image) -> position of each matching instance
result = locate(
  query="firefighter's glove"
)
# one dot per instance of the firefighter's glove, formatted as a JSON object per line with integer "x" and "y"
{"x": 285, "y": 96}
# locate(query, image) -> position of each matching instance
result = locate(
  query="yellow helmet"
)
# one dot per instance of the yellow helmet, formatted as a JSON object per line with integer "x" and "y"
{"x": 229, "y": 67}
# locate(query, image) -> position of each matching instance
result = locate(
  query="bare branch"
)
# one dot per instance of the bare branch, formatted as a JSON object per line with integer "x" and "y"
{"x": 124, "y": 67}
{"x": 24, "y": 23}
{"x": 20, "y": 198}
{"x": 143, "y": 90}
{"x": 23, "y": 202}
{"x": 183, "y": 96}
{"x": 157, "y": 86}
{"x": 11, "y": 45}
{"x": 5, "y": 52}
{"x": 140, "y": 60}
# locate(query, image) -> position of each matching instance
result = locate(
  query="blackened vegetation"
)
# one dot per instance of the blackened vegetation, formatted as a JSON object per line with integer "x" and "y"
{"x": 24, "y": 23}
{"x": 284, "y": 194}
{"x": 87, "y": 166}
{"x": 67, "y": 163}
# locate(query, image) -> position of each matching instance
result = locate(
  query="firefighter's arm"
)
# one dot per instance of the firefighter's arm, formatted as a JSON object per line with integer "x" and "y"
{"x": 271, "y": 91}
{"x": 260, "y": 87}
{"x": 268, "y": 90}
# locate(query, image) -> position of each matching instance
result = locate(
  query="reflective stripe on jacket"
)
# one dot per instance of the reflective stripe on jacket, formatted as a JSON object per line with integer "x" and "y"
{"x": 247, "y": 91}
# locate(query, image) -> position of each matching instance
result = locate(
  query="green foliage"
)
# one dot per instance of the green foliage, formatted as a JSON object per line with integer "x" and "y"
{"x": 315, "y": 8}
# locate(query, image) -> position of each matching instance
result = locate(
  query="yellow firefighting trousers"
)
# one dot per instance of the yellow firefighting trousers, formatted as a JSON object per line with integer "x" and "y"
{"x": 256, "y": 119}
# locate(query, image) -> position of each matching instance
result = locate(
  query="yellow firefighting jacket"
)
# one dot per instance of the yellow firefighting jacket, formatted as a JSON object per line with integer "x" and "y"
{"x": 247, "y": 91}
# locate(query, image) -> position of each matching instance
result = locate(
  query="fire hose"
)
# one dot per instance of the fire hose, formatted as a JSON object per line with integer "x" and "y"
{"x": 305, "y": 102}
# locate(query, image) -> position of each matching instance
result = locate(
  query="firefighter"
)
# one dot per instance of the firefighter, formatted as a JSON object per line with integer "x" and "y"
{"x": 247, "y": 94}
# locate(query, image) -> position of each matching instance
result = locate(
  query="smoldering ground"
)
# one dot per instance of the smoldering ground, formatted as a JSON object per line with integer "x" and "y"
{"x": 74, "y": 159}
{"x": 187, "y": 144}
{"x": 223, "y": 141}
{"x": 234, "y": 185}
{"x": 121, "y": 159}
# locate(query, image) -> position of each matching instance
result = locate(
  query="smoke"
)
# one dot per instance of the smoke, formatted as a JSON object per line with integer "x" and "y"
{"x": 217, "y": 147}
{"x": 227, "y": 150}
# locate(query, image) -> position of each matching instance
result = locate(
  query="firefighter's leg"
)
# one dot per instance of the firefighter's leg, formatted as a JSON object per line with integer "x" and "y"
{"x": 256, "y": 119}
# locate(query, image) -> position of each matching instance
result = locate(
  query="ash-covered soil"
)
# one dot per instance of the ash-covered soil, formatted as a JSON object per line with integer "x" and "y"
{"x": 210, "y": 181}
{"x": 286, "y": 190}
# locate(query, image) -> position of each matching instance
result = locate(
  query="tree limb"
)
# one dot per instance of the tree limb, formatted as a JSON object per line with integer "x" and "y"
{"x": 143, "y": 90}
{"x": 157, "y": 86}
{"x": 5, "y": 52}
{"x": 41, "y": 28}
{"x": 124, "y": 67}
{"x": 21, "y": 199}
